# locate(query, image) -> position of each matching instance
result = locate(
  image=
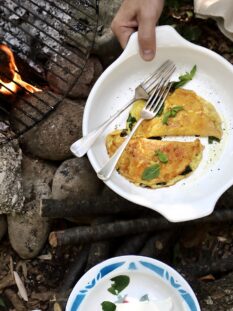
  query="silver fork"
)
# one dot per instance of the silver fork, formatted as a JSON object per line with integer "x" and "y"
{"x": 142, "y": 91}
{"x": 150, "y": 110}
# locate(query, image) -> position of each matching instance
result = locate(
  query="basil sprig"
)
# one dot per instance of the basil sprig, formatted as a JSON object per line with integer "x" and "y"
{"x": 183, "y": 79}
{"x": 120, "y": 282}
{"x": 131, "y": 121}
{"x": 211, "y": 139}
{"x": 108, "y": 306}
{"x": 171, "y": 113}
{"x": 151, "y": 172}
{"x": 162, "y": 156}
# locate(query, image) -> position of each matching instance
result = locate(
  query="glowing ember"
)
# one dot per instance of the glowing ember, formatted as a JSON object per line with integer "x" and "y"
{"x": 10, "y": 79}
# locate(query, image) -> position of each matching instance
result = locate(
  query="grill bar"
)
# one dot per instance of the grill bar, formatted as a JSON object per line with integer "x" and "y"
{"x": 42, "y": 31}
{"x": 52, "y": 26}
{"x": 65, "y": 23}
{"x": 51, "y": 60}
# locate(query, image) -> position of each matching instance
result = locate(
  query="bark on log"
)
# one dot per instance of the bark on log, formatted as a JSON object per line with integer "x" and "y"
{"x": 159, "y": 246}
{"x": 223, "y": 265}
{"x": 86, "y": 234}
{"x": 132, "y": 245}
{"x": 69, "y": 208}
{"x": 99, "y": 251}
{"x": 75, "y": 270}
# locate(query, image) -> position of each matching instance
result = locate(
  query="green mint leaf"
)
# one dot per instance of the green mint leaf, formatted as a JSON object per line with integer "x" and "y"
{"x": 144, "y": 298}
{"x": 177, "y": 108}
{"x": 151, "y": 172}
{"x": 131, "y": 121}
{"x": 183, "y": 79}
{"x": 108, "y": 306}
{"x": 120, "y": 282}
{"x": 171, "y": 113}
{"x": 211, "y": 139}
{"x": 166, "y": 116}
{"x": 162, "y": 156}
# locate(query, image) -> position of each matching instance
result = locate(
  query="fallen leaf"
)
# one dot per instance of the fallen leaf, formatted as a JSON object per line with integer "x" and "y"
{"x": 21, "y": 287}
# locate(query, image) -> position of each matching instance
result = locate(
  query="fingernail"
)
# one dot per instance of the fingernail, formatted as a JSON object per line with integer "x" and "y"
{"x": 148, "y": 54}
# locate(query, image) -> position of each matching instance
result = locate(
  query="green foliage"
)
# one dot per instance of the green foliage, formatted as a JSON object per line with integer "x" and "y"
{"x": 151, "y": 172}
{"x": 183, "y": 79}
{"x": 162, "y": 156}
{"x": 120, "y": 282}
{"x": 108, "y": 306}
{"x": 131, "y": 121}
{"x": 171, "y": 113}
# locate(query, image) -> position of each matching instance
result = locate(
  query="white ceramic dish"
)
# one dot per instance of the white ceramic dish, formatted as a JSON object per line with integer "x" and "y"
{"x": 195, "y": 196}
{"x": 147, "y": 276}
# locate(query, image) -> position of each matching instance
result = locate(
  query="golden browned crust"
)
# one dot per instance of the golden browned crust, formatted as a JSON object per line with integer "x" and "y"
{"x": 198, "y": 117}
{"x": 141, "y": 154}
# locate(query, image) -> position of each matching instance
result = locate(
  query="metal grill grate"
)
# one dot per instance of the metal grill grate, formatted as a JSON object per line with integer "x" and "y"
{"x": 41, "y": 33}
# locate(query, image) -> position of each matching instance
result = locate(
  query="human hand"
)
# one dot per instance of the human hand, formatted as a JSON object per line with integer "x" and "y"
{"x": 141, "y": 15}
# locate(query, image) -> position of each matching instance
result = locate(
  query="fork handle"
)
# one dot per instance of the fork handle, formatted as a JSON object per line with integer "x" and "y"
{"x": 81, "y": 146}
{"x": 107, "y": 170}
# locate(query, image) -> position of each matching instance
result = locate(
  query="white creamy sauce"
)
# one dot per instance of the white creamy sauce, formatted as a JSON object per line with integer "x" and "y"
{"x": 160, "y": 305}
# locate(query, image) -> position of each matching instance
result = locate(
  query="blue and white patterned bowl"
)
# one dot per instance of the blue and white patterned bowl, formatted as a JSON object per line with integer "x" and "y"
{"x": 147, "y": 276}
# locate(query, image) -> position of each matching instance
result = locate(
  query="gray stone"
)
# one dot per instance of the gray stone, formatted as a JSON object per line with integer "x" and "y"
{"x": 28, "y": 232}
{"x": 106, "y": 45}
{"x": 67, "y": 69}
{"x": 3, "y": 226}
{"x": 52, "y": 137}
{"x": 11, "y": 191}
{"x": 37, "y": 178}
{"x": 76, "y": 180}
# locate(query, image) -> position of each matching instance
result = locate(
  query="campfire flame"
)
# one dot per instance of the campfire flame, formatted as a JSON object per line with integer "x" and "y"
{"x": 10, "y": 79}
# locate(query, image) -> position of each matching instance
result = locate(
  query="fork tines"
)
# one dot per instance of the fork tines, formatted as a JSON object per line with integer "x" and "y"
{"x": 161, "y": 90}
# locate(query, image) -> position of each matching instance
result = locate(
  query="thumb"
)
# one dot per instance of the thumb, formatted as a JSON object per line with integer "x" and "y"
{"x": 146, "y": 37}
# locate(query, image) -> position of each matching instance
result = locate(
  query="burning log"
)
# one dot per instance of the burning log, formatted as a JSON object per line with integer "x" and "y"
{"x": 10, "y": 79}
{"x": 86, "y": 234}
{"x": 7, "y": 68}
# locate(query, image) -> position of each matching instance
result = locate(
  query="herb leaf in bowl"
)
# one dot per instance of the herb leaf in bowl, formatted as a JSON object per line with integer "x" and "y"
{"x": 108, "y": 306}
{"x": 120, "y": 282}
